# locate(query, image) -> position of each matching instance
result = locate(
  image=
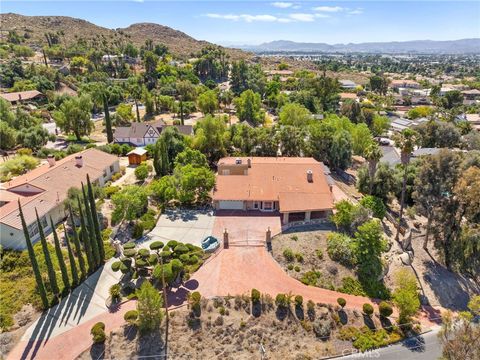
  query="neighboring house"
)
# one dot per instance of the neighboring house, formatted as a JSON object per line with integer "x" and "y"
{"x": 137, "y": 156}
{"x": 397, "y": 84}
{"x": 128, "y": 59}
{"x": 347, "y": 84}
{"x": 45, "y": 189}
{"x": 399, "y": 124}
{"x": 15, "y": 98}
{"x": 473, "y": 120}
{"x": 142, "y": 134}
{"x": 297, "y": 188}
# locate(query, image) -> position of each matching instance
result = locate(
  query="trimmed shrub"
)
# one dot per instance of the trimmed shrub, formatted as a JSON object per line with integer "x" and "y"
{"x": 193, "y": 260}
{"x": 367, "y": 309}
{"x": 290, "y": 266}
{"x": 375, "y": 204}
{"x": 131, "y": 317}
{"x": 351, "y": 286}
{"x": 281, "y": 300}
{"x": 98, "y": 333}
{"x": 298, "y": 300}
{"x": 299, "y": 257}
{"x": 385, "y": 309}
{"x": 115, "y": 292}
{"x": 342, "y": 302}
{"x": 153, "y": 259}
{"x": 322, "y": 329}
{"x": 177, "y": 265}
{"x": 144, "y": 253}
{"x": 172, "y": 243}
{"x": 255, "y": 296}
{"x": 180, "y": 249}
{"x": 156, "y": 245}
{"x": 116, "y": 266}
{"x": 184, "y": 258}
{"x": 129, "y": 245}
{"x": 130, "y": 252}
{"x": 288, "y": 255}
{"x": 311, "y": 277}
{"x": 297, "y": 268}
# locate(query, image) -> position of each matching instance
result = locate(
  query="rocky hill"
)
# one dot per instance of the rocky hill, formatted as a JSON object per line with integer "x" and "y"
{"x": 35, "y": 27}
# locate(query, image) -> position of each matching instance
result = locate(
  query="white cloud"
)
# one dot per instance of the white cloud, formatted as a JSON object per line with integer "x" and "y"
{"x": 320, "y": 15}
{"x": 356, "y": 12}
{"x": 302, "y": 17}
{"x": 244, "y": 17}
{"x": 282, "y": 5}
{"x": 328, "y": 8}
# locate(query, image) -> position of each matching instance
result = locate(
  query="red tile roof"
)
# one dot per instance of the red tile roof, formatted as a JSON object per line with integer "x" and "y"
{"x": 280, "y": 179}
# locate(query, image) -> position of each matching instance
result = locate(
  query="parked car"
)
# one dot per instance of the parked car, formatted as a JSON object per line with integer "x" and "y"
{"x": 210, "y": 244}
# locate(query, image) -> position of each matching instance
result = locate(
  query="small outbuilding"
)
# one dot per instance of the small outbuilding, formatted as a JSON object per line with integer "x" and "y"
{"x": 137, "y": 156}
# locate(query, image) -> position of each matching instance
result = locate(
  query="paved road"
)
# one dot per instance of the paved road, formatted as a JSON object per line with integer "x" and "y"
{"x": 424, "y": 347}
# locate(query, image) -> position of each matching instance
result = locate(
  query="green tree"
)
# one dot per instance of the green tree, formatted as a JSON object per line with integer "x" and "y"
{"x": 8, "y": 136}
{"x": 61, "y": 261}
{"x": 71, "y": 260}
{"x": 210, "y": 138}
{"x": 405, "y": 141}
{"x": 91, "y": 229}
{"x": 249, "y": 107}
{"x": 352, "y": 109}
{"x": 341, "y": 150}
{"x": 134, "y": 90}
{"x": 405, "y": 295}
{"x": 185, "y": 92}
{"x": 96, "y": 224}
{"x": 33, "y": 260}
{"x": 361, "y": 139}
{"x": 52, "y": 278}
{"x": 129, "y": 203}
{"x": 379, "y": 84}
{"x": 86, "y": 239}
{"x": 372, "y": 154}
{"x": 149, "y": 307}
{"x": 78, "y": 248}
{"x": 161, "y": 161}
{"x": 74, "y": 114}
{"x": 191, "y": 157}
{"x": 141, "y": 171}
{"x": 101, "y": 94}
{"x": 326, "y": 90}
{"x": 294, "y": 114}
{"x": 195, "y": 183}
{"x": 208, "y": 102}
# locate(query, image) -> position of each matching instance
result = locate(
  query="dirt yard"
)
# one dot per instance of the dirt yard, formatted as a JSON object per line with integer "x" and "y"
{"x": 234, "y": 329}
{"x": 310, "y": 244}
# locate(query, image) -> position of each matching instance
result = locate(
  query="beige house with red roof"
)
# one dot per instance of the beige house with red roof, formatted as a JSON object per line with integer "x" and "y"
{"x": 297, "y": 188}
{"x": 45, "y": 189}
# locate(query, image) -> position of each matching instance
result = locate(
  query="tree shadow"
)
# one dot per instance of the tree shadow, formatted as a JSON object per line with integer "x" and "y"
{"x": 256, "y": 308}
{"x": 151, "y": 345}
{"x": 130, "y": 332}
{"x": 343, "y": 317}
{"x": 414, "y": 344}
{"x": 299, "y": 313}
{"x": 386, "y": 323}
{"x": 191, "y": 284}
{"x": 368, "y": 321}
{"x": 281, "y": 312}
{"x": 97, "y": 351}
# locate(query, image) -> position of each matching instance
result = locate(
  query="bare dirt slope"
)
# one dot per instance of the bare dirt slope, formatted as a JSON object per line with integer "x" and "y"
{"x": 178, "y": 42}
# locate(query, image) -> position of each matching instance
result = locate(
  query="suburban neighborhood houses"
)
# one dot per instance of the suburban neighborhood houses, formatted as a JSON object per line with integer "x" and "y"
{"x": 165, "y": 197}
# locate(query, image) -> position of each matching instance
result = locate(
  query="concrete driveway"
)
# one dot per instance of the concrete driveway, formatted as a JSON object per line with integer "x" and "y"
{"x": 186, "y": 226}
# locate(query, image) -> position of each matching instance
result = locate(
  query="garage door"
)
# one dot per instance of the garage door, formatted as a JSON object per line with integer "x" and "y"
{"x": 230, "y": 205}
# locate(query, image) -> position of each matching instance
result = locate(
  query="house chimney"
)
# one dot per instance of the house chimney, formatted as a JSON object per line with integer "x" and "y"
{"x": 249, "y": 162}
{"x": 238, "y": 161}
{"x": 51, "y": 160}
{"x": 20, "y": 97}
{"x": 79, "y": 160}
{"x": 309, "y": 175}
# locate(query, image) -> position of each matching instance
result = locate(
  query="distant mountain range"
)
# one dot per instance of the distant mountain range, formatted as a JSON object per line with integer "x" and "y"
{"x": 463, "y": 46}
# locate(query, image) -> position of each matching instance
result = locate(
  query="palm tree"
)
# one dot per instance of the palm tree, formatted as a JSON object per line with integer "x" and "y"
{"x": 405, "y": 141}
{"x": 373, "y": 154}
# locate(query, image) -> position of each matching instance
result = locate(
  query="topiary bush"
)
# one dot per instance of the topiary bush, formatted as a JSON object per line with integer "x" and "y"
{"x": 367, "y": 309}
{"x": 281, "y": 300}
{"x": 255, "y": 296}
{"x": 342, "y": 302}
{"x": 375, "y": 204}
{"x": 144, "y": 253}
{"x": 98, "y": 333}
{"x": 297, "y": 268}
{"x": 184, "y": 258}
{"x": 298, "y": 300}
{"x": 177, "y": 265}
{"x": 156, "y": 245}
{"x": 131, "y": 317}
{"x": 129, "y": 245}
{"x": 180, "y": 249}
{"x": 172, "y": 243}
{"x": 129, "y": 252}
{"x": 385, "y": 309}
{"x": 116, "y": 266}
{"x": 193, "y": 260}
{"x": 153, "y": 259}
{"x": 288, "y": 255}
{"x": 115, "y": 292}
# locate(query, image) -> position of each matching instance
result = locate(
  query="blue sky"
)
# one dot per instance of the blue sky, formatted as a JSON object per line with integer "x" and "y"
{"x": 252, "y": 22}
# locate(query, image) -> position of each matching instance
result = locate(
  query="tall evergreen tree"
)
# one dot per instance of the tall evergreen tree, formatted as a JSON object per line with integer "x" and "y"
{"x": 91, "y": 229}
{"x": 52, "y": 277}
{"x": 86, "y": 239}
{"x": 61, "y": 260}
{"x": 71, "y": 259}
{"x": 161, "y": 161}
{"x": 78, "y": 248}
{"x": 96, "y": 224}
{"x": 33, "y": 260}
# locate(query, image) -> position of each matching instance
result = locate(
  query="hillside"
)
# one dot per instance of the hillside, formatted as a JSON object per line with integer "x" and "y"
{"x": 178, "y": 42}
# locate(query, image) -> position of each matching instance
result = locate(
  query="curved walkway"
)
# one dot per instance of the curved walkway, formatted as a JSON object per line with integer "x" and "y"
{"x": 239, "y": 269}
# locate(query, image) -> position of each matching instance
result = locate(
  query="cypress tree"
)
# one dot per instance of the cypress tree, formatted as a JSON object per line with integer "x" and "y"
{"x": 71, "y": 259}
{"x": 78, "y": 248}
{"x": 91, "y": 229}
{"x": 52, "y": 277}
{"x": 33, "y": 260}
{"x": 96, "y": 224}
{"x": 161, "y": 162}
{"x": 86, "y": 239}
{"x": 61, "y": 260}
